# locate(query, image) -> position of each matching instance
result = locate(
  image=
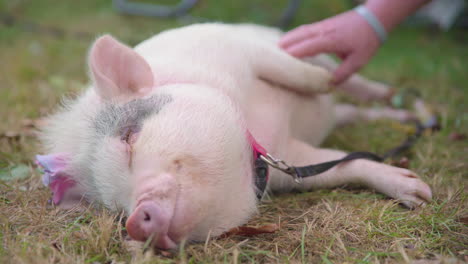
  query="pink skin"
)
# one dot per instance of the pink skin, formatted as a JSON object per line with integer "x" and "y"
{"x": 347, "y": 35}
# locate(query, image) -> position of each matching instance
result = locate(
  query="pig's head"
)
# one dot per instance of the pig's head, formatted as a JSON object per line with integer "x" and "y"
{"x": 176, "y": 158}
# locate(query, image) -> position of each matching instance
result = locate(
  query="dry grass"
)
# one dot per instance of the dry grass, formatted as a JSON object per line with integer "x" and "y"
{"x": 329, "y": 226}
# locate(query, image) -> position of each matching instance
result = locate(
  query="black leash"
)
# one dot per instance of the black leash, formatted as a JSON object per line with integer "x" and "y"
{"x": 298, "y": 173}
{"x": 312, "y": 170}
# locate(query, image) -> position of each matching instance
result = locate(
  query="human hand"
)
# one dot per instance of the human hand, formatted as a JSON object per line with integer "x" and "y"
{"x": 347, "y": 35}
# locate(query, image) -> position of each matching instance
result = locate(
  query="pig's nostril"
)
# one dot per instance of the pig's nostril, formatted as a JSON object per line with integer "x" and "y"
{"x": 147, "y": 217}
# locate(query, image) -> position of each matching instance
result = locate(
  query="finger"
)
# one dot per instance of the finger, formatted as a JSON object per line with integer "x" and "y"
{"x": 297, "y": 35}
{"x": 310, "y": 47}
{"x": 350, "y": 65}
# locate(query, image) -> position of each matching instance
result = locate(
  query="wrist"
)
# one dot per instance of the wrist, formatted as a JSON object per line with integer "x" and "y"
{"x": 392, "y": 12}
{"x": 373, "y": 22}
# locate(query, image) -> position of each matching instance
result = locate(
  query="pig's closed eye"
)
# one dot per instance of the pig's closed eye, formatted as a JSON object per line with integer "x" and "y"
{"x": 129, "y": 134}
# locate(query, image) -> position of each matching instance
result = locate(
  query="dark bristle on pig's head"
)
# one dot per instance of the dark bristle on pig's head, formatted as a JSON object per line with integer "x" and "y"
{"x": 115, "y": 119}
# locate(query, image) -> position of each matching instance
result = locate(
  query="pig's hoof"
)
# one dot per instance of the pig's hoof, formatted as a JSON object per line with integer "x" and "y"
{"x": 409, "y": 189}
{"x": 318, "y": 81}
{"x": 325, "y": 85}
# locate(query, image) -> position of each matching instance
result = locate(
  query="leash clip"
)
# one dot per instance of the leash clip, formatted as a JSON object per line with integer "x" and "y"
{"x": 282, "y": 166}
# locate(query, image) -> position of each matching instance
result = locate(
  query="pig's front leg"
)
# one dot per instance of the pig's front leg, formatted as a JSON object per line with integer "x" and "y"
{"x": 357, "y": 85}
{"x": 400, "y": 184}
{"x": 276, "y": 66}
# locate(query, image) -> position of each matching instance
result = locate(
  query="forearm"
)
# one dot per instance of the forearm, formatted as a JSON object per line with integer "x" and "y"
{"x": 393, "y": 12}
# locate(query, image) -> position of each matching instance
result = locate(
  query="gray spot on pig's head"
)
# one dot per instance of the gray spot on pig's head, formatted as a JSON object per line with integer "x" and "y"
{"x": 115, "y": 119}
{"x": 106, "y": 151}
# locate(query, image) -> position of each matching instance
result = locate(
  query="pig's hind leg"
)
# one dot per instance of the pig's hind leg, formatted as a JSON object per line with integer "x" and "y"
{"x": 398, "y": 183}
{"x": 347, "y": 114}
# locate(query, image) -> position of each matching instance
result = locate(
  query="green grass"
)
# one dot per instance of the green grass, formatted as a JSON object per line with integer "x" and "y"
{"x": 330, "y": 226}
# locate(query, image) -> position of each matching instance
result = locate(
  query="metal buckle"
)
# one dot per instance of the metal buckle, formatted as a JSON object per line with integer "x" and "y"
{"x": 282, "y": 166}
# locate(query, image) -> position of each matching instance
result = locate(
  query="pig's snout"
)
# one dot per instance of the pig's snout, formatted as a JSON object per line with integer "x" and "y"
{"x": 149, "y": 221}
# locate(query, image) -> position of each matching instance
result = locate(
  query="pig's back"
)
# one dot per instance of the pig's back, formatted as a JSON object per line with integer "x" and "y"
{"x": 217, "y": 55}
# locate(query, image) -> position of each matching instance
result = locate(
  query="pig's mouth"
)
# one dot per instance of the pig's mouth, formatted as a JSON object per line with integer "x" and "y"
{"x": 149, "y": 221}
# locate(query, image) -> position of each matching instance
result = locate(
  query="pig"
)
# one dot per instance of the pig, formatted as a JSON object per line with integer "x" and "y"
{"x": 167, "y": 131}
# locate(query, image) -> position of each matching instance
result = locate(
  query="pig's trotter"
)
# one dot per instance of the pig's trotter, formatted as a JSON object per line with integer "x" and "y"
{"x": 398, "y": 183}
{"x": 357, "y": 85}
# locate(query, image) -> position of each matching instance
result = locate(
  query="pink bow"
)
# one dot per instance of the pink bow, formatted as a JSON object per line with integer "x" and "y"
{"x": 53, "y": 166}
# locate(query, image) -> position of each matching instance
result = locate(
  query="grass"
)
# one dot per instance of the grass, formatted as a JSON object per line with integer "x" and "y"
{"x": 329, "y": 226}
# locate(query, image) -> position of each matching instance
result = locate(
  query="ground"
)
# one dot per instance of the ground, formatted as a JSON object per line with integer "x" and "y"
{"x": 43, "y": 46}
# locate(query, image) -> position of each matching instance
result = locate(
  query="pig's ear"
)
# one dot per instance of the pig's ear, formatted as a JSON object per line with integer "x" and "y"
{"x": 118, "y": 70}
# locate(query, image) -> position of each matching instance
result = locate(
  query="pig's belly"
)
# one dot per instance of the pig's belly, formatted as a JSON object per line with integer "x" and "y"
{"x": 275, "y": 114}
{"x": 312, "y": 119}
